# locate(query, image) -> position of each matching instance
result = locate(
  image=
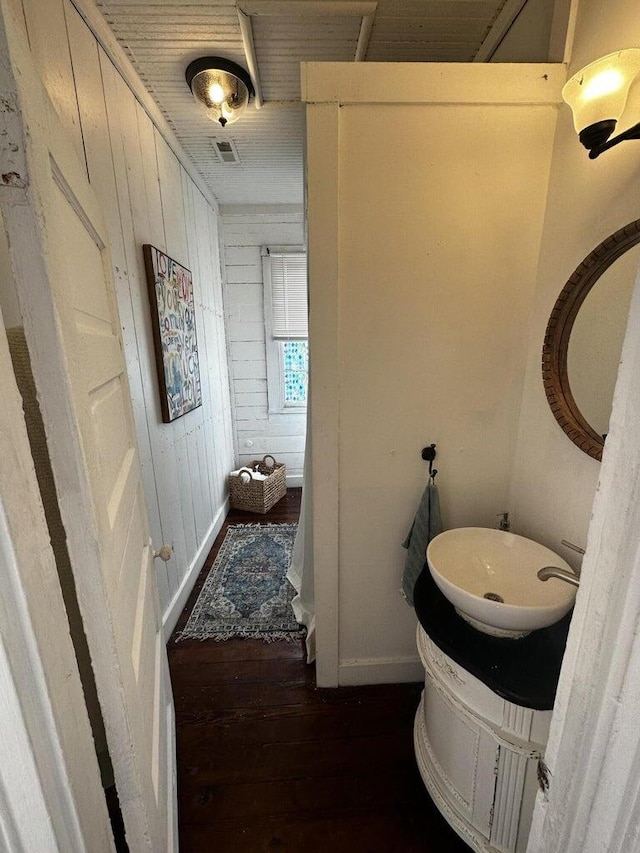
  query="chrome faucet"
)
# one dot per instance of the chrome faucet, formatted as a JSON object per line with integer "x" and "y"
{"x": 573, "y": 547}
{"x": 572, "y": 577}
{"x": 504, "y": 523}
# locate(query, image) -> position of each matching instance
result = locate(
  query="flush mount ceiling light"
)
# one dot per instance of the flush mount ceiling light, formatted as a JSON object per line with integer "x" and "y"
{"x": 220, "y": 87}
{"x": 597, "y": 96}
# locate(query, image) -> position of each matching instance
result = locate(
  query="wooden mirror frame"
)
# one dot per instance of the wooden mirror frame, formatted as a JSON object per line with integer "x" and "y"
{"x": 556, "y": 339}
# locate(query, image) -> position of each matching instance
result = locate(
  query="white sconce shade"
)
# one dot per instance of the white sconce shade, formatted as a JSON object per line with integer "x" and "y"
{"x": 598, "y": 93}
{"x": 220, "y": 87}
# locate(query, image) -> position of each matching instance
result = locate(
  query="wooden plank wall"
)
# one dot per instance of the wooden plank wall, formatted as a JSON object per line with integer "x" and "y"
{"x": 148, "y": 197}
{"x": 256, "y": 430}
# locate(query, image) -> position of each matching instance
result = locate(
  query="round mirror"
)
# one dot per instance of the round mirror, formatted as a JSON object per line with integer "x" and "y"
{"x": 584, "y": 337}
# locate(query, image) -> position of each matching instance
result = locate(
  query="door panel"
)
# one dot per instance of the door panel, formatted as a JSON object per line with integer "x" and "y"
{"x": 51, "y": 797}
{"x": 63, "y": 272}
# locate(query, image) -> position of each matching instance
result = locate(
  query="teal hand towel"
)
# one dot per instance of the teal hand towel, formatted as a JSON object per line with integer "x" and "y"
{"x": 426, "y": 525}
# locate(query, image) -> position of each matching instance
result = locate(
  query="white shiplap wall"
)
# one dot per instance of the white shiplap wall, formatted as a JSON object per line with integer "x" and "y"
{"x": 282, "y": 435}
{"x": 147, "y": 197}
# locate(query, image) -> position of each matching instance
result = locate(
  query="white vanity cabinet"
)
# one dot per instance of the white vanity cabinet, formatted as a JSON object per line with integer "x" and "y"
{"x": 478, "y": 754}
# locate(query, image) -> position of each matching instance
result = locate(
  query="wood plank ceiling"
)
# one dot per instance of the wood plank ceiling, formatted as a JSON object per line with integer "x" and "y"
{"x": 162, "y": 36}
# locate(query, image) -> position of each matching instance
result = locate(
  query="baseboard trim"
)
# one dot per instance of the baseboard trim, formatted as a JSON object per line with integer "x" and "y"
{"x": 173, "y": 611}
{"x": 380, "y": 671}
{"x": 294, "y": 481}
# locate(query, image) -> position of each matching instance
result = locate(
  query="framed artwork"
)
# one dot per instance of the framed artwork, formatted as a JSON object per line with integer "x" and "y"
{"x": 174, "y": 333}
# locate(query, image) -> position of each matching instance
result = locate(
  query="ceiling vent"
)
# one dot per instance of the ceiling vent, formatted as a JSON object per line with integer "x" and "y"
{"x": 226, "y": 150}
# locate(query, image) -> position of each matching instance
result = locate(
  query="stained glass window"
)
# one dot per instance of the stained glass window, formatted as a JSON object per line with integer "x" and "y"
{"x": 295, "y": 357}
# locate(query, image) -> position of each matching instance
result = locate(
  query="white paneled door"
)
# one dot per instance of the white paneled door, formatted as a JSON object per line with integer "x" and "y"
{"x": 62, "y": 268}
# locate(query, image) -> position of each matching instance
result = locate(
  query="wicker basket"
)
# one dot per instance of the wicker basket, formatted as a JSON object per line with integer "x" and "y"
{"x": 253, "y": 495}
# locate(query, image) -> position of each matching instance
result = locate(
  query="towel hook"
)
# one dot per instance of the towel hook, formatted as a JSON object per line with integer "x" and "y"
{"x": 429, "y": 454}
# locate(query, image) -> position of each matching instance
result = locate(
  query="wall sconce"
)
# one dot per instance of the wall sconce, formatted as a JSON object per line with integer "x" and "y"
{"x": 597, "y": 96}
{"x": 220, "y": 87}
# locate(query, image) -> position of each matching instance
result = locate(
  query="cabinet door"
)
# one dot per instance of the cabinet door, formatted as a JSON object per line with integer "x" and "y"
{"x": 516, "y": 786}
{"x": 463, "y": 756}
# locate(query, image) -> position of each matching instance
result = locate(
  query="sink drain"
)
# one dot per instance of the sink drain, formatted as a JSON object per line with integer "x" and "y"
{"x": 493, "y": 596}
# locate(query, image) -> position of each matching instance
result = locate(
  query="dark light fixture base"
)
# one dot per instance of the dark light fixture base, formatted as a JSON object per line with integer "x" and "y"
{"x": 220, "y": 63}
{"x": 595, "y": 138}
{"x": 597, "y": 134}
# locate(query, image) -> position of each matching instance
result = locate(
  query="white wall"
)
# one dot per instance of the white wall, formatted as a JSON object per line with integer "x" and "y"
{"x": 422, "y": 268}
{"x": 553, "y": 483}
{"x": 147, "y": 196}
{"x": 256, "y": 430}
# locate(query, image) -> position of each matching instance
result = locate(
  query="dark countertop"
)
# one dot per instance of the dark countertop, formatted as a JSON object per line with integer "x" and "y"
{"x": 524, "y": 671}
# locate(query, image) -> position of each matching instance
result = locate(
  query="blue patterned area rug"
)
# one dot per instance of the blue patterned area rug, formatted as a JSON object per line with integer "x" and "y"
{"x": 246, "y": 593}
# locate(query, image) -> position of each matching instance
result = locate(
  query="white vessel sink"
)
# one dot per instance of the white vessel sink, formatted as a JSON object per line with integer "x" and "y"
{"x": 490, "y": 577}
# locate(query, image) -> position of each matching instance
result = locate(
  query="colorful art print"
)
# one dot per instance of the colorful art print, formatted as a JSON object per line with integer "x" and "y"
{"x": 174, "y": 333}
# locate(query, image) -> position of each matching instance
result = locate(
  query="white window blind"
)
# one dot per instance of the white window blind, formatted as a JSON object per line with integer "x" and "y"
{"x": 288, "y": 295}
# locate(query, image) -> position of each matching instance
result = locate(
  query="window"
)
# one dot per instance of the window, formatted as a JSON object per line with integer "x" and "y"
{"x": 295, "y": 372}
{"x": 285, "y": 301}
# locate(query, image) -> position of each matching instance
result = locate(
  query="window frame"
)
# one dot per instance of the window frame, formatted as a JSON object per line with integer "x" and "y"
{"x": 274, "y": 351}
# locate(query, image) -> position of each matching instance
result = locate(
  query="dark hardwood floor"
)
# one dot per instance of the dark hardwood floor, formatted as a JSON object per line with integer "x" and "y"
{"x": 268, "y": 762}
